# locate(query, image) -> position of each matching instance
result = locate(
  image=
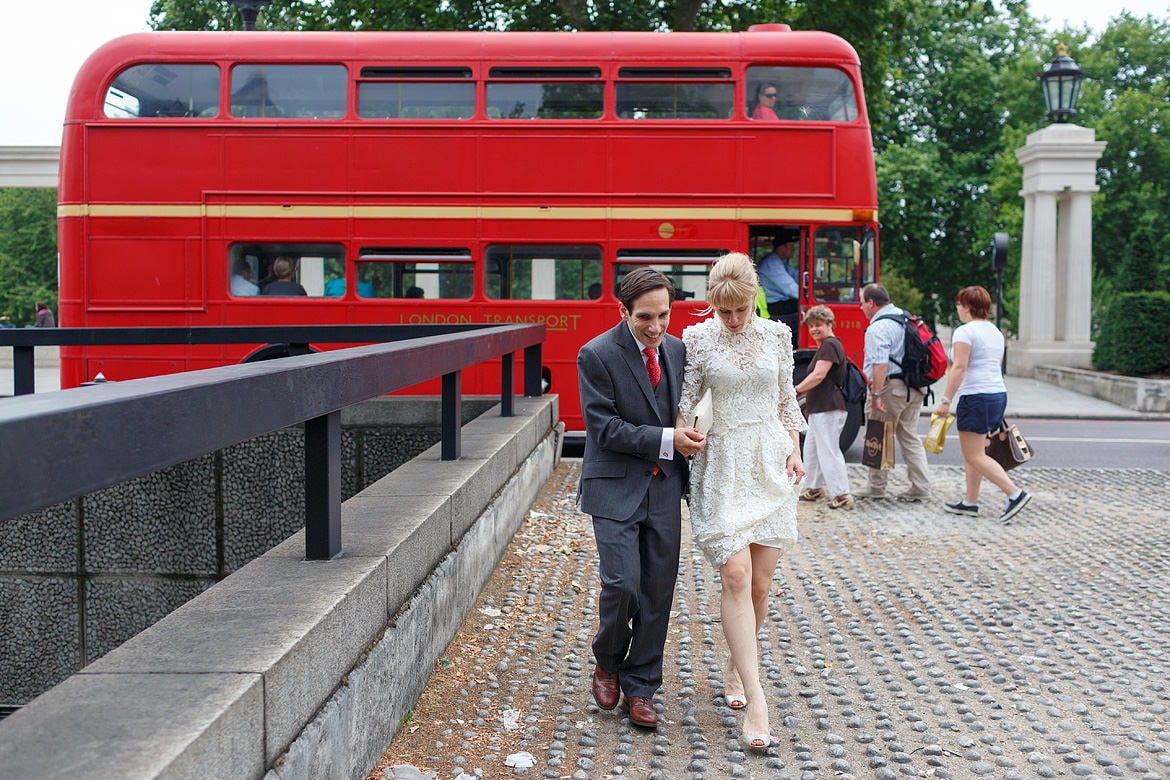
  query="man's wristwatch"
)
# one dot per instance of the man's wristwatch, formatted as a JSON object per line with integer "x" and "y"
{"x": 944, "y": 400}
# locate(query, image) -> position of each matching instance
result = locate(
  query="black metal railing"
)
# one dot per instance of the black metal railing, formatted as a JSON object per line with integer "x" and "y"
{"x": 58, "y": 446}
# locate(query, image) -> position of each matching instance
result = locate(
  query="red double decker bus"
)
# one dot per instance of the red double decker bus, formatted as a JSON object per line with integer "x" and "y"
{"x": 412, "y": 177}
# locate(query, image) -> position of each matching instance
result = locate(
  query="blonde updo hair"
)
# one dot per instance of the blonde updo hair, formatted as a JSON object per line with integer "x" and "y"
{"x": 732, "y": 282}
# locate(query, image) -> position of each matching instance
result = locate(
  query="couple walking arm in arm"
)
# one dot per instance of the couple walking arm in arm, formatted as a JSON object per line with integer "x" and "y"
{"x": 634, "y": 473}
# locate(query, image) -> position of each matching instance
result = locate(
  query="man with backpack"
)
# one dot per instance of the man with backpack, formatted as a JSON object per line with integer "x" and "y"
{"x": 890, "y": 397}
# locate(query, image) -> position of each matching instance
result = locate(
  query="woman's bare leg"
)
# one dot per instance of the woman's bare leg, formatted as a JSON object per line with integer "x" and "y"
{"x": 743, "y": 604}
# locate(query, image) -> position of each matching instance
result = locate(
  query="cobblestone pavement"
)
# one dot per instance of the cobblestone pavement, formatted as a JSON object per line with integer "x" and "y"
{"x": 901, "y": 642}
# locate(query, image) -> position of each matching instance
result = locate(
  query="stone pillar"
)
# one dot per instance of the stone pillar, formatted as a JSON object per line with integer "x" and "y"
{"x": 1056, "y": 280}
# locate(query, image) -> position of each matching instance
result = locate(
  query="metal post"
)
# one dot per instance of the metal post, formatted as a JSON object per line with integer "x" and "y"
{"x": 507, "y": 365}
{"x": 999, "y": 252}
{"x": 532, "y": 377}
{"x": 24, "y": 375}
{"x": 249, "y": 10}
{"x": 323, "y": 487}
{"x": 452, "y": 406}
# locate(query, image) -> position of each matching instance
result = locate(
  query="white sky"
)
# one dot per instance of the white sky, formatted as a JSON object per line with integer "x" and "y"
{"x": 43, "y": 44}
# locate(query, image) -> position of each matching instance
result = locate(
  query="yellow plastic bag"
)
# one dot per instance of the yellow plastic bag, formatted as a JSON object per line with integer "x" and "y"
{"x": 937, "y": 436}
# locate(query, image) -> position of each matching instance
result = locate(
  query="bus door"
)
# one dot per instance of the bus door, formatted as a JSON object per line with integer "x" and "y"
{"x": 844, "y": 260}
{"x": 779, "y": 254}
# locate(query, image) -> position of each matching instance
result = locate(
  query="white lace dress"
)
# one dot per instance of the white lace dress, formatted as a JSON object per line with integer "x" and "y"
{"x": 740, "y": 490}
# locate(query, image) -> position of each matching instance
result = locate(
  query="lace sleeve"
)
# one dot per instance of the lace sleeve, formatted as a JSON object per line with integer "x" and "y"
{"x": 693, "y": 375}
{"x": 791, "y": 417}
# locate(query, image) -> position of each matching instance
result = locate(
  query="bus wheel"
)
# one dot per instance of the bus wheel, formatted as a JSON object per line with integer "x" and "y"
{"x": 856, "y": 412}
{"x": 273, "y": 351}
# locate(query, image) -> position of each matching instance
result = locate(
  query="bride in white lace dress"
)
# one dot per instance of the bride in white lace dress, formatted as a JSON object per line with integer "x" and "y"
{"x": 743, "y": 484}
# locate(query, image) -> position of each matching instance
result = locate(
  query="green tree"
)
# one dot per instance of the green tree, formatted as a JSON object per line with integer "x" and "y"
{"x": 1127, "y": 101}
{"x": 28, "y": 252}
{"x": 939, "y": 141}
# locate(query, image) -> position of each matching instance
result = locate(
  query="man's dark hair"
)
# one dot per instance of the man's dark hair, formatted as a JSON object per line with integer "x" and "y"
{"x": 875, "y": 294}
{"x": 642, "y": 280}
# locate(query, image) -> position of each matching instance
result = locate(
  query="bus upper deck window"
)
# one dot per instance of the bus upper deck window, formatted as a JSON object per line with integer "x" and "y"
{"x": 416, "y": 93}
{"x": 168, "y": 90}
{"x": 675, "y": 93}
{"x": 297, "y": 91}
{"x": 545, "y": 93}
{"x": 801, "y": 94}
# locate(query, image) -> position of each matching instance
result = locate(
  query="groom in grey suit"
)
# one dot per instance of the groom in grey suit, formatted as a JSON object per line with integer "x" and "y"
{"x": 633, "y": 477}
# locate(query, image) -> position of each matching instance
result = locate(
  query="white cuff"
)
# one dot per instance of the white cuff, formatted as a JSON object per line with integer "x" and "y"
{"x": 666, "y": 446}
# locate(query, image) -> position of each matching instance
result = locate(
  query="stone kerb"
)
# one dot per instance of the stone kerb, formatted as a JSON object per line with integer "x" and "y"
{"x": 1137, "y": 393}
{"x": 301, "y": 669}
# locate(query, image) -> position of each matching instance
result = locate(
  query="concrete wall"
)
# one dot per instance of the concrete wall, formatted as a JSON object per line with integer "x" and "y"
{"x": 300, "y": 669}
{"x": 1137, "y": 393}
{"x": 80, "y": 578}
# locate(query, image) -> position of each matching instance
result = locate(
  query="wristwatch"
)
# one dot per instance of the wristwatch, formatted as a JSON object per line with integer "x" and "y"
{"x": 944, "y": 400}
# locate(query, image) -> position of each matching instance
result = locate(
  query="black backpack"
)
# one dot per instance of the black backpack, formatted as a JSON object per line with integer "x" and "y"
{"x": 853, "y": 385}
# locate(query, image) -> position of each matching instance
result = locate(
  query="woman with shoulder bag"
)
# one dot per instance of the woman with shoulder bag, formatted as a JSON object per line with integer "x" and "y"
{"x": 824, "y": 463}
{"x": 976, "y": 355}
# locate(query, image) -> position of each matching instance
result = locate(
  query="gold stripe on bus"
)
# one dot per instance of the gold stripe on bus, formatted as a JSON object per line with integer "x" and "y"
{"x": 145, "y": 210}
{"x": 261, "y": 211}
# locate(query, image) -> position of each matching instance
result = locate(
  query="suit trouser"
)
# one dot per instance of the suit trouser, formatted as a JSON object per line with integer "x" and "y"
{"x": 638, "y": 564}
{"x": 904, "y": 413}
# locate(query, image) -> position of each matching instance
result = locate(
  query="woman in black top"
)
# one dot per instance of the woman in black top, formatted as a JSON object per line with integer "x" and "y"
{"x": 824, "y": 403}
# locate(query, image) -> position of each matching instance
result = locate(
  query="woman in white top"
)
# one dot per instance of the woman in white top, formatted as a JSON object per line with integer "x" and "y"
{"x": 743, "y": 483}
{"x": 975, "y": 374}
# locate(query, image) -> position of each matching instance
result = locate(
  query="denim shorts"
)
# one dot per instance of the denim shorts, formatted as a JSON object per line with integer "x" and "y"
{"x": 980, "y": 413}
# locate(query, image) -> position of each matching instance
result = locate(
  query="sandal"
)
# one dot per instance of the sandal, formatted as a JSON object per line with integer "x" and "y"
{"x": 843, "y": 501}
{"x": 736, "y": 701}
{"x": 812, "y": 494}
{"x": 759, "y": 743}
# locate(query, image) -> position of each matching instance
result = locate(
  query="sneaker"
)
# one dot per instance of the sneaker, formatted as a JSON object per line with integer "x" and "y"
{"x": 812, "y": 494}
{"x": 914, "y": 495}
{"x": 843, "y": 501}
{"x": 870, "y": 493}
{"x": 959, "y": 508}
{"x": 1014, "y": 506}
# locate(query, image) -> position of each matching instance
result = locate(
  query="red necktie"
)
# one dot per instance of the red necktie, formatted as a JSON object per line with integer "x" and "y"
{"x": 652, "y": 367}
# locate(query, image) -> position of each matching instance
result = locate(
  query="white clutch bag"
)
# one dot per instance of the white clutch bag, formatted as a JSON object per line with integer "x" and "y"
{"x": 703, "y": 413}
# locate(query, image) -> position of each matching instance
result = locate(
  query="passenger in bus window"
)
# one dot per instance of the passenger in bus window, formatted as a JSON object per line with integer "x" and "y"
{"x": 415, "y": 292}
{"x": 765, "y": 101}
{"x": 242, "y": 283}
{"x": 594, "y": 291}
{"x": 283, "y": 269}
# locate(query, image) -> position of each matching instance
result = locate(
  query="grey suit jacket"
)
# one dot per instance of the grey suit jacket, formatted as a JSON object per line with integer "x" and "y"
{"x": 622, "y": 425}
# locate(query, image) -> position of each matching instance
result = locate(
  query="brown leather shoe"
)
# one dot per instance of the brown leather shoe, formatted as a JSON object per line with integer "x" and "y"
{"x": 605, "y": 688}
{"x": 642, "y": 712}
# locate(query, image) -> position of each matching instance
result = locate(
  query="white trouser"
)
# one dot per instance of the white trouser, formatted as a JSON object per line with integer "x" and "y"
{"x": 824, "y": 463}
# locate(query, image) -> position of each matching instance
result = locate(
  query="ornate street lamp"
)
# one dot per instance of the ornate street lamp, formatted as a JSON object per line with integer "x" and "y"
{"x": 249, "y": 10}
{"x": 1061, "y": 81}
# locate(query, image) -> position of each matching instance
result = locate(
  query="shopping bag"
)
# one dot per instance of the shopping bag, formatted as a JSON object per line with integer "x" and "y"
{"x": 936, "y": 437}
{"x": 879, "y": 445}
{"x": 1008, "y": 447}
